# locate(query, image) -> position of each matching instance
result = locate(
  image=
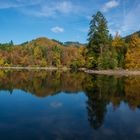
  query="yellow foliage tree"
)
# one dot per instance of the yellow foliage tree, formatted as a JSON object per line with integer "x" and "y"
{"x": 132, "y": 59}
{"x": 1, "y": 62}
{"x": 37, "y": 52}
{"x": 118, "y": 42}
{"x": 120, "y": 47}
{"x": 135, "y": 41}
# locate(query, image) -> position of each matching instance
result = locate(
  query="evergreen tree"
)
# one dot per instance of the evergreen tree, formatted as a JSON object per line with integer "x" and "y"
{"x": 99, "y": 46}
{"x": 98, "y": 35}
{"x": 11, "y": 43}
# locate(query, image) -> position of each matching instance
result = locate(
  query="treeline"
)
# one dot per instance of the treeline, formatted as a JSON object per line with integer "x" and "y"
{"x": 101, "y": 52}
{"x": 41, "y": 52}
{"x": 106, "y": 52}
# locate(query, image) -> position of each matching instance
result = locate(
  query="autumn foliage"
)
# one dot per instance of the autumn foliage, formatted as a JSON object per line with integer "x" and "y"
{"x": 41, "y": 52}
{"x": 101, "y": 52}
{"x": 132, "y": 59}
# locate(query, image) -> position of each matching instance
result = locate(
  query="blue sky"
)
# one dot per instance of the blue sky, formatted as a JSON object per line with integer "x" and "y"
{"x": 64, "y": 20}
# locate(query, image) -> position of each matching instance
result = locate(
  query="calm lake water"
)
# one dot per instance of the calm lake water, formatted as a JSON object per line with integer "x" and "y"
{"x": 68, "y": 106}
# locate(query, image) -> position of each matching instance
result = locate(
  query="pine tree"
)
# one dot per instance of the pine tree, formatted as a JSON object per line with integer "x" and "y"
{"x": 98, "y": 35}
{"x": 99, "y": 43}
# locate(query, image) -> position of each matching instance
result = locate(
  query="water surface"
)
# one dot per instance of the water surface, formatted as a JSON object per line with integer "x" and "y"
{"x": 42, "y": 105}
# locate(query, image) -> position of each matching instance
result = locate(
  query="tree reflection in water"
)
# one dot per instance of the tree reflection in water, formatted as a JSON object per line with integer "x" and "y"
{"x": 100, "y": 90}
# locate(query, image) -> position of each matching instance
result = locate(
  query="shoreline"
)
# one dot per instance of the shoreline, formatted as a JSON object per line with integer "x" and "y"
{"x": 100, "y": 72}
{"x": 115, "y": 72}
{"x": 35, "y": 68}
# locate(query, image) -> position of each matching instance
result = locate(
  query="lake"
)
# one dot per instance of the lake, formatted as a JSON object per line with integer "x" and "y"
{"x": 57, "y": 105}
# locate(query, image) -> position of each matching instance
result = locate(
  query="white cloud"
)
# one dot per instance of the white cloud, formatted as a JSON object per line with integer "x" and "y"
{"x": 57, "y": 29}
{"x": 126, "y": 23}
{"x": 131, "y": 20}
{"x": 41, "y": 8}
{"x": 64, "y": 7}
{"x": 56, "y": 104}
{"x": 109, "y": 5}
{"x": 51, "y": 9}
{"x": 17, "y": 3}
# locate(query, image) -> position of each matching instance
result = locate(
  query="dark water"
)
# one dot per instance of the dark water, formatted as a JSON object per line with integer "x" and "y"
{"x": 68, "y": 106}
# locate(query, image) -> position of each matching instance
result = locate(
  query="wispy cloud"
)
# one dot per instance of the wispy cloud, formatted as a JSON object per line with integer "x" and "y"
{"x": 57, "y": 29}
{"x": 126, "y": 23}
{"x": 17, "y": 3}
{"x": 64, "y": 7}
{"x": 131, "y": 20}
{"x": 41, "y": 8}
{"x": 51, "y": 9}
{"x": 109, "y": 5}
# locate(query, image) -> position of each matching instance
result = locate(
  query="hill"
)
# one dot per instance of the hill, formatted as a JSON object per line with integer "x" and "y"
{"x": 75, "y": 44}
{"x": 42, "y": 42}
{"x": 45, "y": 42}
{"x": 42, "y": 52}
{"x": 127, "y": 38}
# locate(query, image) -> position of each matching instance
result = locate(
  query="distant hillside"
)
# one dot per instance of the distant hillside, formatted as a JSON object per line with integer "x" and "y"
{"x": 69, "y": 43}
{"x": 76, "y": 44}
{"x": 43, "y": 41}
{"x": 127, "y": 38}
{"x": 42, "y": 52}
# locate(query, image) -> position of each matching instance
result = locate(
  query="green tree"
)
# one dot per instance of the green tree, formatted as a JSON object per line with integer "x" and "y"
{"x": 108, "y": 60}
{"x": 98, "y": 35}
{"x": 100, "y": 53}
{"x": 57, "y": 52}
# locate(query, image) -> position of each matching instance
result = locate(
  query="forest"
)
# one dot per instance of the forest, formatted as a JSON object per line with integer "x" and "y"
{"x": 102, "y": 51}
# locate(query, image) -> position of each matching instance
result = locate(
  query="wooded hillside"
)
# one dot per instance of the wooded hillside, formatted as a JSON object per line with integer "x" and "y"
{"x": 101, "y": 52}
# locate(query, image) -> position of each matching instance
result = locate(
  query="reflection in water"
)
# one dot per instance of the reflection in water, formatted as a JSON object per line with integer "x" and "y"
{"x": 42, "y": 83}
{"x": 100, "y": 91}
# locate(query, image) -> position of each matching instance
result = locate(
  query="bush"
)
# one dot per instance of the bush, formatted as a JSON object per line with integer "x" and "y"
{"x": 91, "y": 62}
{"x": 107, "y": 61}
{"x": 74, "y": 65}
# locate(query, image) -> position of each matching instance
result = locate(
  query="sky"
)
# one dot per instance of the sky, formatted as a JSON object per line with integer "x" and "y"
{"x": 64, "y": 20}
